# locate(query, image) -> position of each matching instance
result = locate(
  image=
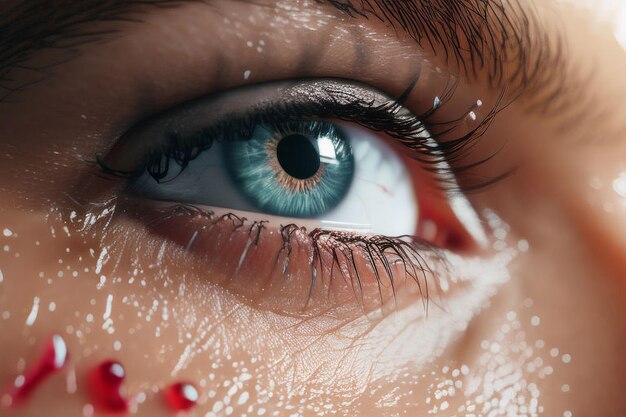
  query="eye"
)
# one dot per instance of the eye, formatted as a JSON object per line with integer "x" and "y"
{"x": 335, "y": 176}
{"x": 297, "y": 169}
{"x": 302, "y": 182}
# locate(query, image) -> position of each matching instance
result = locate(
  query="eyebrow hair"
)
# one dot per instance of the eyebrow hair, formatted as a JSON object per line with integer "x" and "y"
{"x": 504, "y": 43}
{"x": 506, "y": 46}
{"x": 59, "y": 29}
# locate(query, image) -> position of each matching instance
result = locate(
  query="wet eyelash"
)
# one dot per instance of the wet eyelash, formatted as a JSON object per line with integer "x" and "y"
{"x": 382, "y": 252}
{"x": 442, "y": 155}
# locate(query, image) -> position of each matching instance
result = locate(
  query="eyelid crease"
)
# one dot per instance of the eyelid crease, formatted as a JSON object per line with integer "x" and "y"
{"x": 183, "y": 133}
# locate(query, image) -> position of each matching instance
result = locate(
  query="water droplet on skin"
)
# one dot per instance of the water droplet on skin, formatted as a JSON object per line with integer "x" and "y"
{"x": 523, "y": 245}
{"x": 595, "y": 183}
{"x": 88, "y": 410}
{"x": 619, "y": 185}
{"x": 181, "y": 396}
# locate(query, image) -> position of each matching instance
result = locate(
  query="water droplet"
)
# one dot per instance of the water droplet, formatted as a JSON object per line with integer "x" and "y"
{"x": 619, "y": 185}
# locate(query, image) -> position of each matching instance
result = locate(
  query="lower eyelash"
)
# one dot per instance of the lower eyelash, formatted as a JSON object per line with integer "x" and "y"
{"x": 332, "y": 252}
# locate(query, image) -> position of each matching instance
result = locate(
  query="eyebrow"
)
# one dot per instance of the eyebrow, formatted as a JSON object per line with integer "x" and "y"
{"x": 505, "y": 43}
{"x": 506, "y": 46}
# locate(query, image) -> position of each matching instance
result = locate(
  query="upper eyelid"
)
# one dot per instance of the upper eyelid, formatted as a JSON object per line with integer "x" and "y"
{"x": 185, "y": 131}
{"x": 303, "y": 98}
{"x": 293, "y": 92}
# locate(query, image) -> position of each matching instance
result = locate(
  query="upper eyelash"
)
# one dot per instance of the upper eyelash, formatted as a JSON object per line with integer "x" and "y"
{"x": 389, "y": 117}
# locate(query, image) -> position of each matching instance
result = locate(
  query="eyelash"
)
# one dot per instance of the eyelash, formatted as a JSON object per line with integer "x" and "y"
{"x": 383, "y": 252}
{"x": 440, "y": 155}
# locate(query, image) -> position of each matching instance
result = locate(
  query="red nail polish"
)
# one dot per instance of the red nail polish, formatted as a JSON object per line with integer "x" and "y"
{"x": 53, "y": 358}
{"x": 181, "y": 396}
{"x": 105, "y": 383}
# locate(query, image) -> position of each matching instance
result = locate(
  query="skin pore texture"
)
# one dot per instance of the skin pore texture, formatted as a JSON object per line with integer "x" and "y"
{"x": 533, "y": 324}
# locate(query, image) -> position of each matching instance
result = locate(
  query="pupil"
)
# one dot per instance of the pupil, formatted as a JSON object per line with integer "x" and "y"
{"x": 298, "y": 156}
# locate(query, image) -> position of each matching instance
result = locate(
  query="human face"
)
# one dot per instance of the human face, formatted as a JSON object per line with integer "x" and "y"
{"x": 313, "y": 208}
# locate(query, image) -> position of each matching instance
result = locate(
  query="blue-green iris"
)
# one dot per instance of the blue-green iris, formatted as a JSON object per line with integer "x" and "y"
{"x": 293, "y": 169}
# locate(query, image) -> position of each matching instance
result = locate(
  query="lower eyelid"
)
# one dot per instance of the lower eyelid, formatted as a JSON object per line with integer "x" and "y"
{"x": 287, "y": 269}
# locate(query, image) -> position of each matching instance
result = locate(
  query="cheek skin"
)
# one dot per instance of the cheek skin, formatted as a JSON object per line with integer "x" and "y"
{"x": 159, "y": 325}
{"x": 556, "y": 201}
{"x": 164, "y": 326}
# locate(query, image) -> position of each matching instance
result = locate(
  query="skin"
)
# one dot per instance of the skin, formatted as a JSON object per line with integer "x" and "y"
{"x": 538, "y": 329}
